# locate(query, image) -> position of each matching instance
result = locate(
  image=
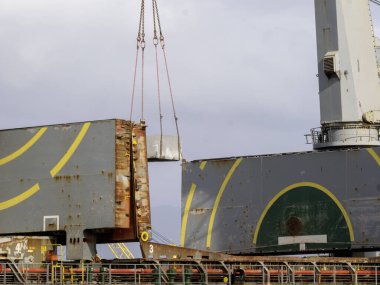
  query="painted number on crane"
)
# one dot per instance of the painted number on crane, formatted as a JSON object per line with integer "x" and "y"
{"x": 151, "y": 249}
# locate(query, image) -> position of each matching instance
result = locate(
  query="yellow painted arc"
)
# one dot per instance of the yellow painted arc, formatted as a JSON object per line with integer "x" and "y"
{"x": 186, "y": 213}
{"x": 217, "y": 201}
{"x": 304, "y": 184}
{"x": 20, "y": 198}
{"x": 374, "y": 155}
{"x": 24, "y": 148}
{"x": 188, "y": 205}
{"x": 66, "y": 157}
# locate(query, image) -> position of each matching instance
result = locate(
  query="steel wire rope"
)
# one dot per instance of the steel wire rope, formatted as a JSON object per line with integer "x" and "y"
{"x": 158, "y": 240}
{"x": 162, "y": 237}
{"x": 142, "y": 56}
{"x": 134, "y": 83}
{"x": 140, "y": 44}
{"x": 155, "y": 42}
{"x": 162, "y": 43}
{"x": 375, "y": 1}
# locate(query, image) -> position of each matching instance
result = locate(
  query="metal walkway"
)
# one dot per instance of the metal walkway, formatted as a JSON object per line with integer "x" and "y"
{"x": 192, "y": 272}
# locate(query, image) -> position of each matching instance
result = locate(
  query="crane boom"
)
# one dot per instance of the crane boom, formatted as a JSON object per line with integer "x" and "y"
{"x": 349, "y": 89}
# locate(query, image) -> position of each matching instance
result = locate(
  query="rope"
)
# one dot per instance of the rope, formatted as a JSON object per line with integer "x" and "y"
{"x": 172, "y": 99}
{"x": 142, "y": 80}
{"x": 155, "y": 7}
{"x": 140, "y": 44}
{"x": 142, "y": 30}
{"x": 142, "y": 17}
{"x": 159, "y": 99}
{"x": 155, "y": 42}
{"x": 134, "y": 82}
{"x": 162, "y": 43}
{"x": 161, "y": 237}
{"x": 154, "y": 19}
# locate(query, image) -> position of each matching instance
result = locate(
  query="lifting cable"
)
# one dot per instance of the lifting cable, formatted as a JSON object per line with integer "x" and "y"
{"x": 157, "y": 22}
{"x": 158, "y": 39}
{"x": 376, "y": 1}
{"x": 155, "y": 42}
{"x": 158, "y": 237}
{"x": 140, "y": 44}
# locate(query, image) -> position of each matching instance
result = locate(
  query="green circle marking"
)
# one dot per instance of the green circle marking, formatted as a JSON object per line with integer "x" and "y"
{"x": 304, "y": 211}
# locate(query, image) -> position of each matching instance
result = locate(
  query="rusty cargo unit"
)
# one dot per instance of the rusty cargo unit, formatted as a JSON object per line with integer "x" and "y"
{"x": 83, "y": 183}
{"x": 296, "y": 202}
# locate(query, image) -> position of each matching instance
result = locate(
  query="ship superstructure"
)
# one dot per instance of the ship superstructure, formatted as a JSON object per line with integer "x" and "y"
{"x": 317, "y": 201}
{"x": 87, "y": 183}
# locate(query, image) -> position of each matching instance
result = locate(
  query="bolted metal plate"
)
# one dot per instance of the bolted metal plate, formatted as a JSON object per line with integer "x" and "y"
{"x": 81, "y": 182}
{"x": 250, "y": 204}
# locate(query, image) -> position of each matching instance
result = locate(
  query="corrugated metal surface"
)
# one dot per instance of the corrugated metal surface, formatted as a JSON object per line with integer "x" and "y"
{"x": 286, "y": 202}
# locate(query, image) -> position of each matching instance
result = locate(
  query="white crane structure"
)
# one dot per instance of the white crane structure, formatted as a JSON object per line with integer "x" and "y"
{"x": 348, "y": 71}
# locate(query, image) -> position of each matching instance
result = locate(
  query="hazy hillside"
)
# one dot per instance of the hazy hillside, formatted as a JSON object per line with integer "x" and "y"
{"x": 166, "y": 220}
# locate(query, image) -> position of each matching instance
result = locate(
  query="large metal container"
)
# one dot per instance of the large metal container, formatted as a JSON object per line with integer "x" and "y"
{"x": 308, "y": 201}
{"x": 84, "y": 183}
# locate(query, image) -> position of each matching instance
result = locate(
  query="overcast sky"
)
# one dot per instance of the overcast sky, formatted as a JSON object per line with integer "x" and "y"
{"x": 243, "y": 72}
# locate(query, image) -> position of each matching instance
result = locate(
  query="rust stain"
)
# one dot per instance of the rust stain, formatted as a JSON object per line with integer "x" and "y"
{"x": 294, "y": 226}
{"x": 67, "y": 178}
{"x": 123, "y": 175}
{"x": 131, "y": 206}
{"x": 141, "y": 186}
{"x": 200, "y": 211}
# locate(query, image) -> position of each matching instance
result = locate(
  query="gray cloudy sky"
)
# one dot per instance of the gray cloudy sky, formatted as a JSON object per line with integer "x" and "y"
{"x": 243, "y": 72}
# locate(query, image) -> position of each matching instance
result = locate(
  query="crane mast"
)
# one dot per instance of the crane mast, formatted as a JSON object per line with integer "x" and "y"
{"x": 349, "y": 90}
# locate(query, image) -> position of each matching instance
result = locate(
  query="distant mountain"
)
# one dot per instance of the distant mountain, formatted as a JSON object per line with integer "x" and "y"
{"x": 166, "y": 222}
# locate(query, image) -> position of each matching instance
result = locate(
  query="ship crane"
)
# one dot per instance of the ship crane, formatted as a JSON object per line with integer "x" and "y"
{"x": 309, "y": 202}
{"x": 325, "y": 200}
{"x": 348, "y": 73}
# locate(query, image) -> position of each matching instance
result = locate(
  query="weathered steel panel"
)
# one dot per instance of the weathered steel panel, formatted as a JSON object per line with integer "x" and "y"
{"x": 25, "y": 249}
{"x": 123, "y": 174}
{"x": 252, "y": 204}
{"x": 141, "y": 181}
{"x": 73, "y": 179}
{"x": 164, "y": 148}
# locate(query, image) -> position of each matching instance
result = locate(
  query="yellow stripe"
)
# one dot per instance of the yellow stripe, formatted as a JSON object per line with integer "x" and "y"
{"x": 374, "y": 155}
{"x": 186, "y": 213}
{"x": 187, "y": 207}
{"x": 71, "y": 150}
{"x": 24, "y": 148}
{"x": 217, "y": 200}
{"x": 304, "y": 184}
{"x": 20, "y": 198}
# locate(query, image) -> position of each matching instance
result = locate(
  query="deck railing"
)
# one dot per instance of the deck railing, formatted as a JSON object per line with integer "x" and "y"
{"x": 190, "y": 272}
